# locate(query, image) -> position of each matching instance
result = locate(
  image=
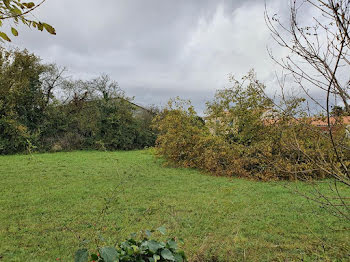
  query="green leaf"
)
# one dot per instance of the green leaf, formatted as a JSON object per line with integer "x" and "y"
{"x": 156, "y": 257}
{"x": 40, "y": 26}
{"x": 94, "y": 257}
{"x": 14, "y": 31}
{"x": 7, "y": 3}
{"x": 172, "y": 244}
{"x": 49, "y": 28}
{"x": 178, "y": 258}
{"x": 5, "y": 37}
{"x": 148, "y": 233}
{"x": 16, "y": 10}
{"x": 166, "y": 254}
{"x": 153, "y": 246}
{"x": 162, "y": 230}
{"x": 29, "y": 5}
{"x": 109, "y": 254}
{"x": 82, "y": 255}
{"x": 135, "y": 248}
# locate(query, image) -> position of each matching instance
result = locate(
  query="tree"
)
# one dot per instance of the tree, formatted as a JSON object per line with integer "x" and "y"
{"x": 237, "y": 112}
{"x": 118, "y": 128}
{"x": 53, "y": 78}
{"x": 105, "y": 88}
{"x": 13, "y": 12}
{"x": 21, "y": 99}
{"x": 319, "y": 60}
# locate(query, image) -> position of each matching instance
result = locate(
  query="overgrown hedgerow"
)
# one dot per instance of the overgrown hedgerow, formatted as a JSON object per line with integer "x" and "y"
{"x": 238, "y": 139}
{"x": 42, "y": 110}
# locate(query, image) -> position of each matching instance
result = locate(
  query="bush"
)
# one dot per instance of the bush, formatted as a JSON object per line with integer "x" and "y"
{"x": 239, "y": 140}
{"x": 136, "y": 250}
{"x": 179, "y": 130}
{"x": 13, "y": 136}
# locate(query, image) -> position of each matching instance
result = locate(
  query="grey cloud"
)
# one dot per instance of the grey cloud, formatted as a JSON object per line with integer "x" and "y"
{"x": 156, "y": 49}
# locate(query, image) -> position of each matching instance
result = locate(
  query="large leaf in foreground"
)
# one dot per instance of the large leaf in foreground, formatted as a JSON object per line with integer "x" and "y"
{"x": 82, "y": 255}
{"x": 109, "y": 254}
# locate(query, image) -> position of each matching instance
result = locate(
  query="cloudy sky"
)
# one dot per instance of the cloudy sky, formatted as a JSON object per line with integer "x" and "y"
{"x": 157, "y": 49}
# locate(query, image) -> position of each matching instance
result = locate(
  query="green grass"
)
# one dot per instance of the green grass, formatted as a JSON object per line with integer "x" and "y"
{"x": 50, "y": 203}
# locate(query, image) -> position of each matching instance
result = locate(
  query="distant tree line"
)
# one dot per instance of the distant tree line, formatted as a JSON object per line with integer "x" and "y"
{"x": 42, "y": 110}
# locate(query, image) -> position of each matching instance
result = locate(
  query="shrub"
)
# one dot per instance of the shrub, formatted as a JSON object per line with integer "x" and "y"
{"x": 13, "y": 136}
{"x": 240, "y": 139}
{"x": 179, "y": 130}
{"x": 136, "y": 250}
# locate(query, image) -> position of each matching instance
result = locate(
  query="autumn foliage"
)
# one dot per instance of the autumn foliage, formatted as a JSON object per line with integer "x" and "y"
{"x": 245, "y": 135}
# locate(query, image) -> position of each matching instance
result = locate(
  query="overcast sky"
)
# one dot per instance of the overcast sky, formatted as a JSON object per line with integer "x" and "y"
{"x": 157, "y": 49}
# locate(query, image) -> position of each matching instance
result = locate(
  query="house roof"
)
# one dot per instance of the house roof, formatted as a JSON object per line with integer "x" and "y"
{"x": 333, "y": 120}
{"x": 315, "y": 121}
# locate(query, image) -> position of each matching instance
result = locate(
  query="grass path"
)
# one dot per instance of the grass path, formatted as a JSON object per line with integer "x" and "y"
{"x": 50, "y": 203}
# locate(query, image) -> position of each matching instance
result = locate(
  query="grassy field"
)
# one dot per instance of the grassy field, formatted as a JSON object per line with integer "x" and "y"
{"x": 50, "y": 203}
